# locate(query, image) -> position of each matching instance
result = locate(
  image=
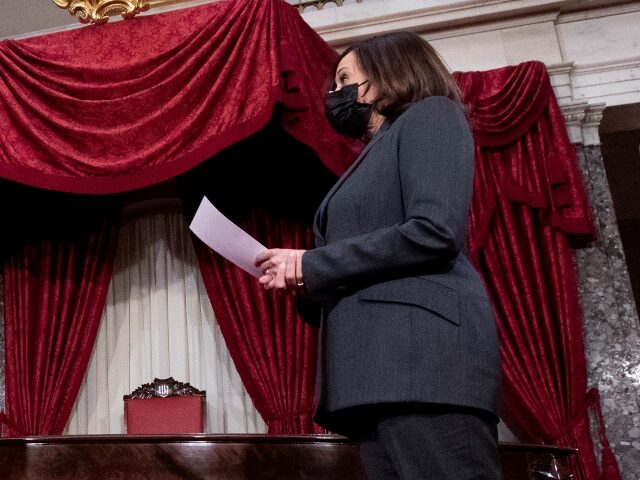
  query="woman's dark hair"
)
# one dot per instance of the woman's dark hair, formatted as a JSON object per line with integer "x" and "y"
{"x": 404, "y": 68}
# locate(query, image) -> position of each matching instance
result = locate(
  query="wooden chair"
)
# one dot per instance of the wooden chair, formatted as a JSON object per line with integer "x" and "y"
{"x": 165, "y": 406}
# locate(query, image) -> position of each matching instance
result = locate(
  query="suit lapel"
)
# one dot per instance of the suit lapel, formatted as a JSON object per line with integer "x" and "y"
{"x": 319, "y": 223}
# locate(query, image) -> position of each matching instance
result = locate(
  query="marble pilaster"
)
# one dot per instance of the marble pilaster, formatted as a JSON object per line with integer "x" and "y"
{"x": 611, "y": 326}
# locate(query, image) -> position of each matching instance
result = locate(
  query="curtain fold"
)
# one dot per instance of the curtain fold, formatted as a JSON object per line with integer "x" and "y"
{"x": 56, "y": 271}
{"x": 529, "y": 207}
{"x": 522, "y": 144}
{"x": 158, "y": 322}
{"x": 120, "y": 106}
{"x": 273, "y": 349}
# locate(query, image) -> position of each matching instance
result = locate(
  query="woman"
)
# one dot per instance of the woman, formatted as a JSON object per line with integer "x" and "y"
{"x": 409, "y": 357}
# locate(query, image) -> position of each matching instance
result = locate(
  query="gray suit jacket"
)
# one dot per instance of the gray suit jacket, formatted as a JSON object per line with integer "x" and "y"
{"x": 405, "y": 317}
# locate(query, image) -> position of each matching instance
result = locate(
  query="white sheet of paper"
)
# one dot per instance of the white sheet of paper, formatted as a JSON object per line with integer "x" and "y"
{"x": 226, "y": 238}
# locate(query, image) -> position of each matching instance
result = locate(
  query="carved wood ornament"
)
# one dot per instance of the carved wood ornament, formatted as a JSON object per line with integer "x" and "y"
{"x": 99, "y": 11}
{"x": 164, "y": 387}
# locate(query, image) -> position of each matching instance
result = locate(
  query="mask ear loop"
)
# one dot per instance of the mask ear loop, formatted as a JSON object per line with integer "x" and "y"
{"x": 365, "y": 92}
{"x": 368, "y": 86}
{"x": 375, "y": 102}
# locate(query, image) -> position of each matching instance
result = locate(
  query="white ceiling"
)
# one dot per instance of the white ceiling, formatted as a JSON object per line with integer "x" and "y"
{"x": 18, "y": 17}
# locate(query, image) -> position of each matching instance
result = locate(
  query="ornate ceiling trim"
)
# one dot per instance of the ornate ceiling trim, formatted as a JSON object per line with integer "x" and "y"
{"x": 99, "y": 11}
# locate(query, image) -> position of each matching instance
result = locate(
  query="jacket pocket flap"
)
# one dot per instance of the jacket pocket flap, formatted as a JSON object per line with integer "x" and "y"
{"x": 431, "y": 296}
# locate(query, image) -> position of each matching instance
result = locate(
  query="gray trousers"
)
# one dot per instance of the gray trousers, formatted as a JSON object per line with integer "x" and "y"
{"x": 431, "y": 442}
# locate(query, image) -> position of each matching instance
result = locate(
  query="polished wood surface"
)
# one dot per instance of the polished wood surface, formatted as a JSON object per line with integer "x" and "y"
{"x": 228, "y": 457}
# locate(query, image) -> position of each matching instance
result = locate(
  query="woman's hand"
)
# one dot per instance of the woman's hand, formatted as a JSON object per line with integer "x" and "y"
{"x": 282, "y": 269}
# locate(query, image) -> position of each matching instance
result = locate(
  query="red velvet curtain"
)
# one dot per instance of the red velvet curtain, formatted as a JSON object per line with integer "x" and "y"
{"x": 529, "y": 205}
{"x": 273, "y": 350}
{"x": 56, "y": 269}
{"x": 116, "y": 107}
{"x": 128, "y": 104}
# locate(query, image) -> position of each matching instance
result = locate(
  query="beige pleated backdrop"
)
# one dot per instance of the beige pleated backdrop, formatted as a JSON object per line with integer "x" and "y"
{"x": 158, "y": 322}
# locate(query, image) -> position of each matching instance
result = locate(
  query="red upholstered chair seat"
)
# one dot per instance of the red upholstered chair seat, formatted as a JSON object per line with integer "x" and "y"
{"x": 165, "y": 407}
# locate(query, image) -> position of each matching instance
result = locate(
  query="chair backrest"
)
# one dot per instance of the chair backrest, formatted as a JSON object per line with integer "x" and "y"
{"x": 165, "y": 406}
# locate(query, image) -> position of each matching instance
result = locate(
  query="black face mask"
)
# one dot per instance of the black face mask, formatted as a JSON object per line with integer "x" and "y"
{"x": 345, "y": 114}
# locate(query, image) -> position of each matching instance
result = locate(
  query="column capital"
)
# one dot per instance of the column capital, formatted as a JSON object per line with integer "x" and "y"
{"x": 592, "y": 118}
{"x": 574, "y": 114}
{"x": 582, "y": 120}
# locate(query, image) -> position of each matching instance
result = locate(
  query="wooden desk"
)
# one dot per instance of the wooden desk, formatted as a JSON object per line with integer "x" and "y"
{"x": 228, "y": 457}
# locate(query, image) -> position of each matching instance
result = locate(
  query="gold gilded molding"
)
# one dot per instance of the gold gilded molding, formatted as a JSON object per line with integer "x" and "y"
{"x": 99, "y": 11}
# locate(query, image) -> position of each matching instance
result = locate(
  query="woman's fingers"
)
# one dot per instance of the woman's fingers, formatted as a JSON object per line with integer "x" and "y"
{"x": 299, "y": 277}
{"x": 268, "y": 259}
{"x": 290, "y": 272}
{"x": 281, "y": 268}
{"x": 265, "y": 256}
{"x": 280, "y": 282}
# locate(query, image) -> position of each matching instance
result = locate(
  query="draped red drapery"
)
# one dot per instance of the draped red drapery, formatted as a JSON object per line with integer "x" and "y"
{"x": 130, "y": 104}
{"x": 272, "y": 348}
{"x": 56, "y": 269}
{"x": 529, "y": 205}
{"x": 133, "y": 103}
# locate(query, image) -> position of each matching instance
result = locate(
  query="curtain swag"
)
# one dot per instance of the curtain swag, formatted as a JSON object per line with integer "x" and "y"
{"x": 133, "y": 103}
